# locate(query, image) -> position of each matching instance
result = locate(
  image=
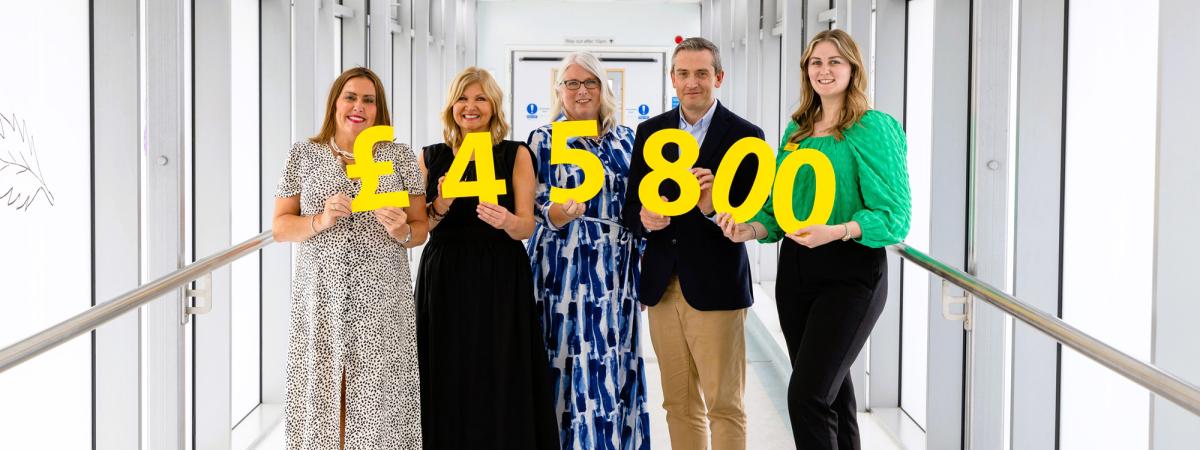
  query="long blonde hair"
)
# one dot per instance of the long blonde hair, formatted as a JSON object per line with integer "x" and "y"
{"x": 472, "y": 75}
{"x": 855, "y": 103}
{"x": 382, "y": 117}
{"x": 608, "y": 100}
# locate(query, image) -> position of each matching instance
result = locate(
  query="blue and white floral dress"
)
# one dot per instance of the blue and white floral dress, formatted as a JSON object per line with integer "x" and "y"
{"x": 585, "y": 285}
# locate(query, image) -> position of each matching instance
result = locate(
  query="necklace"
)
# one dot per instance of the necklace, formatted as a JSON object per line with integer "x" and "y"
{"x": 344, "y": 155}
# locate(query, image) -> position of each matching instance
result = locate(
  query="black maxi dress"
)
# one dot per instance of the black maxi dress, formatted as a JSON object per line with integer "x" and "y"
{"x": 484, "y": 372}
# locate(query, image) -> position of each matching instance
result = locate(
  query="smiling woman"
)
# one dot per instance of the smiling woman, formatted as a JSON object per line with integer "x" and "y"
{"x": 484, "y": 375}
{"x": 352, "y": 375}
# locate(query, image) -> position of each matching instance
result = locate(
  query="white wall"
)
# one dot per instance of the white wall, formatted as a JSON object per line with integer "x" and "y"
{"x": 1108, "y": 242}
{"x": 503, "y": 25}
{"x": 45, "y": 245}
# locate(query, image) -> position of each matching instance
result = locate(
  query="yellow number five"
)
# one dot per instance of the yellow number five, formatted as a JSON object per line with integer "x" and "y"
{"x": 762, "y": 182}
{"x": 486, "y": 186}
{"x": 593, "y": 170}
{"x": 662, "y": 170}
{"x": 369, "y": 170}
{"x": 785, "y": 183}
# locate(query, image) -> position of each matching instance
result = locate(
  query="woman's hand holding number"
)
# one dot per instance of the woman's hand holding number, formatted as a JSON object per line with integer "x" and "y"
{"x": 736, "y": 232}
{"x": 495, "y": 215}
{"x": 394, "y": 220}
{"x": 441, "y": 202}
{"x": 337, "y": 205}
{"x": 573, "y": 210}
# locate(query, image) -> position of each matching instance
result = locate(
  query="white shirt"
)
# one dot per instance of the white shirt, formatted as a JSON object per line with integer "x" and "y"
{"x": 700, "y": 128}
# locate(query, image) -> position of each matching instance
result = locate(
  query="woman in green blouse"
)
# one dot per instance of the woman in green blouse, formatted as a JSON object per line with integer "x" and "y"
{"x": 832, "y": 280}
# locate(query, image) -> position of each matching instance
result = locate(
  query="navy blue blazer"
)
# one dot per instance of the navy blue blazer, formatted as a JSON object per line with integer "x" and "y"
{"x": 713, "y": 272}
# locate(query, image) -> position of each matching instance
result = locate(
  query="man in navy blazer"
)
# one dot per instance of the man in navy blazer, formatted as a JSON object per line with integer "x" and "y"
{"x": 695, "y": 281}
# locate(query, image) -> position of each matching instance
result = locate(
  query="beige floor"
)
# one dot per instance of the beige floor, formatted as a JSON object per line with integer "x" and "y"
{"x": 767, "y": 425}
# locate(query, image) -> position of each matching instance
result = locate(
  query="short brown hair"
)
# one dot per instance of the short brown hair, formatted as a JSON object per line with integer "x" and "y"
{"x": 382, "y": 117}
{"x": 698, "y": 44}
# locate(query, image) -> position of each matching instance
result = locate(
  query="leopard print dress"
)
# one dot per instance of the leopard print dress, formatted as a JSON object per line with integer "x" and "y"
{"x": 352, "y": 309}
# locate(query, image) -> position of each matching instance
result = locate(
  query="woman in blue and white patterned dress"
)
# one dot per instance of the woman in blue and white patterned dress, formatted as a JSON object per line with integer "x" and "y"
{"x": 586, "y": 269}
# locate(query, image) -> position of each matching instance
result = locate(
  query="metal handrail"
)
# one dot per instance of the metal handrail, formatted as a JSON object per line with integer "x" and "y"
{"x": 1156, "y": 380}
{"x": 100, "y": 314}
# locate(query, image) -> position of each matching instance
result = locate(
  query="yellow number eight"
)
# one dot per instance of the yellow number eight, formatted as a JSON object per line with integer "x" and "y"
{"x": 662, "y": 170}
{"x": 762, "y": 181}
{"x": 593, "y": 170}
{"x": 785, "y": 183}
{"x": 366, "y": 168}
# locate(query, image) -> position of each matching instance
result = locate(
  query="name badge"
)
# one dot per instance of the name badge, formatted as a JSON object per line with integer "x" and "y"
{"x": 791, "y": 146}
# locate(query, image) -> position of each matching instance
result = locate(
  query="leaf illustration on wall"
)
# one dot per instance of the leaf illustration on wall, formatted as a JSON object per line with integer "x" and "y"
{"x": 21, "y": 179}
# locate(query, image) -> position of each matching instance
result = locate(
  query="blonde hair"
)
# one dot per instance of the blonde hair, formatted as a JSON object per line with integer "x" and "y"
{"x": 329, "y": 125}
{"x": 608, "y": 100}
{"x": 474, "y": 75}
{"x": 855, "y": 103}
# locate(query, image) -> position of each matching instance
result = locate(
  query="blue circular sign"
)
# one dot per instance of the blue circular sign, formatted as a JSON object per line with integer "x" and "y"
{"x": 644, "y": 109}
{"x": 532, "y": 108}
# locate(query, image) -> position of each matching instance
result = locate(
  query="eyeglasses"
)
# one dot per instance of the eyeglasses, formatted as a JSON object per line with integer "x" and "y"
{"x": 574, "y": 84}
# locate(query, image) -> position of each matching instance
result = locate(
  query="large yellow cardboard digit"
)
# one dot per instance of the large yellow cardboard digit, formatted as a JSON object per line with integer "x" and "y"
{"x": 593, "y": 170}
{"x": 366, "y": 168}
{"x": 486, "y": 186}
{"x": 785, "y": 183}
{"x": 761, "y": 189}
{"x": 662, "y": 170}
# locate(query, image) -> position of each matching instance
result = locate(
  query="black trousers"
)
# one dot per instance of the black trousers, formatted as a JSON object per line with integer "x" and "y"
{"x": 829, "y": 298}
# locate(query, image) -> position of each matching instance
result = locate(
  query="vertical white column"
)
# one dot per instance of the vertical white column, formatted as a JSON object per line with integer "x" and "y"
{"x": 988, "y": 248}
{"x": 1176, "y": 219}
{"x": 162, "y": 128}
{"x": 115, "y": 177}
{"x": 1038, "y": 219}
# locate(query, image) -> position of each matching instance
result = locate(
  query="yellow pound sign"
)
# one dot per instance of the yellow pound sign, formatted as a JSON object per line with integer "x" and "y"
{"x": 662, "y": 170}
{"x": 593, "y": 170}
{"x": 368, "y": 170}
{"x": 785, "y": 183}
{"x": 762, "y": 182}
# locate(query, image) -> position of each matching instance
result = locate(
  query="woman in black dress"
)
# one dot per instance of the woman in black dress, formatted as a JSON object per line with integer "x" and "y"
{"x": 484, "y": 371}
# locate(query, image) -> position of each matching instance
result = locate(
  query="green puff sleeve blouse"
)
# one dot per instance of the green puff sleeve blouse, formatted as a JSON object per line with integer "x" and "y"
{"x": 871, "y": 179}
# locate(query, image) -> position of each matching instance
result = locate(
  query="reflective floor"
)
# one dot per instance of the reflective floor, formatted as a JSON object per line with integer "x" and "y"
{"x": 768, "y": 427}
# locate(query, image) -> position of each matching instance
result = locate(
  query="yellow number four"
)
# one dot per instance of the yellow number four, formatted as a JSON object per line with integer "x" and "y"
{"x": 662, "y": 170}
{"x": 486, "y": 186}
{"x": 593, "y": 170}
{"x": 366, "y": 168}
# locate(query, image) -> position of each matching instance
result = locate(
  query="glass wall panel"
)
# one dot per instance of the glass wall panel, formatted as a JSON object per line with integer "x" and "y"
{"x": 245, "y": 204}
{"x": 915, "y": 294}
{"x": 1108, "y": 240}
{"x": 45, "y": 217}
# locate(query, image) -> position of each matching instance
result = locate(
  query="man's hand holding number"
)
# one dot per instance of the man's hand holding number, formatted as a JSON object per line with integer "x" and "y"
{"x": 654, "y": 221}
{"x": 705, "y": 178}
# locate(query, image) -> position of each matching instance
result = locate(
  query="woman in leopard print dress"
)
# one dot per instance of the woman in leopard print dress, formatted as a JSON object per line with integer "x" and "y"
{"x": 352, "y": 373}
